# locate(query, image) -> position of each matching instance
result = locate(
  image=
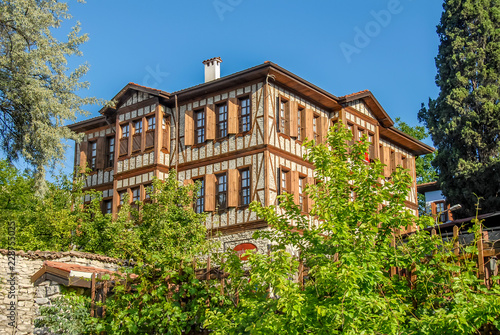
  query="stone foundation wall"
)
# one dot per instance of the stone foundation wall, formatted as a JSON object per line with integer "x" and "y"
{"x": 20, "y": 299}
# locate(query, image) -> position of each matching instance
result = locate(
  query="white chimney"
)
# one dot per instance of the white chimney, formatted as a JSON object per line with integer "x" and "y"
{"x": 212, "y": 68}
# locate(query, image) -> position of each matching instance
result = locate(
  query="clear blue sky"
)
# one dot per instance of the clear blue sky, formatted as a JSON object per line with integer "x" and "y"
{"x": 385, "y": 46}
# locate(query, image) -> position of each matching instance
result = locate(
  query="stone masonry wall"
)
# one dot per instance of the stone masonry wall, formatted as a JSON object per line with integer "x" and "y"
{"x": 20, "y": 299}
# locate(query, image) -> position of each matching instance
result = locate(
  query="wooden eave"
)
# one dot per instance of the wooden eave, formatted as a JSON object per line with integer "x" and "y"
{"x": 277, "y": 75}
{"x": 427, "y": 187}
{"x": 404, "y": 140}
{"x": 109, "y": 110}
{"x": 96, "y": 122}
{"x": 382, "y": 117}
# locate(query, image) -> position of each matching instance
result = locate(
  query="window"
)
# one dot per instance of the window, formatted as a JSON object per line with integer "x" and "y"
{"x": 301, "y": 194}
{"x": 200, "y": 199}
{"x": 136, "y": 194}
{"x": 221, "y": 120}
{"x": 122, "y": 197}
{"x": 151, "y": 123}
{"x": 245, "y": 116}
{"x": 125, "y": 131}
{"x": 360, "y": 134}
{"x": 371, "y": 148}
{"x": 92, "y": 155}
{"x": 299, "y": 123}
{"x": 149, "y": 190}
{"x": 285, "y": 181}
{"x": 138, "y": 127}
{"x": 283, "y": 117}
{"x": 164, "y": 123}
{"x": 200, "y": 127}
{"x": 107, "y": 206}
{"x": 110, "y": 155}
{"x": 440, "y": 209}
{"x": 245, "y": 187}
{"x": 316, "y": 128}
{"x": 221, "y": 193}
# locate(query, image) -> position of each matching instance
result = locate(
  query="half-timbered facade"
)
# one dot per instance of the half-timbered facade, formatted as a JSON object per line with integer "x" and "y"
{"x": 239, "y": 136}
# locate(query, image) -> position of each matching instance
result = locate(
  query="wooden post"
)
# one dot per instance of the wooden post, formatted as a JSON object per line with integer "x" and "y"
{"x": 456, "y": 242}
{"x": 92, "y": 295}
{"x": 208, "y": 268}
{"x": 301, "y": 273}
{"x": 480, "y": 252}
{"x": 104, "y": 296}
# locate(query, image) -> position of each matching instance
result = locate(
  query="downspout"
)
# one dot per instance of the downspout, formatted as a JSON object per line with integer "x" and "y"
{"x": 177, "y": 145}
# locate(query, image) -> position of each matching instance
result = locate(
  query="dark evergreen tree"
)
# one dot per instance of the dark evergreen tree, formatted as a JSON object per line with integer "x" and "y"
{"x": 464, "y": 121}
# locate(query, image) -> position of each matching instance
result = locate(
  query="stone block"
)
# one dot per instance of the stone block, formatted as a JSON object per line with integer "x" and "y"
{"x": 42, "y": 301}
{"x": 51, "y": 290}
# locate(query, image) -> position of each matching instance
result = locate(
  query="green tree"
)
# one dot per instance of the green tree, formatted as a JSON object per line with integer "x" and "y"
{"x": 347, "y": 244}
{"x": 424, "y": 169}
{"x": 36, "y": 88}
{"x": 464, "y": 120}
{"x": 170, "y": 241}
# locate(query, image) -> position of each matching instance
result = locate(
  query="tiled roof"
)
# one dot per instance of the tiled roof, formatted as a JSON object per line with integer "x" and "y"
{"x": 46, "y": 255}
{"x": 353, "y": 94}
{"x": 67, "y": 267}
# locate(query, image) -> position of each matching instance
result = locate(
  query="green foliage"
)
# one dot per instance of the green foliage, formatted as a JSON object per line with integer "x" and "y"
{"x": 347, "y": 244}
{"x": 68, "y": 314}
{"x": 166, "y": 297}
{"x": 36, "y": 87}
{"x": 424, "y": 169}
{"x": 464, "y": 120}
{"x": 41, "y": 223}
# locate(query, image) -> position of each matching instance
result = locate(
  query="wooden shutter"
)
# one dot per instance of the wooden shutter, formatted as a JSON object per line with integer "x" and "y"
{"x": 322, "y": 129}
{"x": 308, "y": 124}
{"x": 210, "y": 122}
{"x": 210, "y": 184}
{"x": 150, "y": 139}
{"x": 233, "y": 178}
{"x": 294, "y": 186}
{"x": 188, "y": 128}
{"x": 232, "y": 111}
{"x": 399, "y": 159}
{"x": 101, "y": 153}
{"x": 124, "y": 146}
{"x": 387, "y": 161}
{"x": 83, "y": 156}
{"x": 136, "y": 142}
{"x": 166, "y": 140}
{"x": 309, "y": 203}
{"x": 293, "y": 124}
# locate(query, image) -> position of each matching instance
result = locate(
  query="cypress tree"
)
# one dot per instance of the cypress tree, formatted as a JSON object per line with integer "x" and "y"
{"x": 464, "y": 120}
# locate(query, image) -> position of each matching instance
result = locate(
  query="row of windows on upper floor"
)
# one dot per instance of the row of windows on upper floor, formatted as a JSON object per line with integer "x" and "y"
{"x": 134, "y": 129}
{"x": 100, "y": 153}
{"x": 299, "y": 122}
{"x": 214, "y": 122}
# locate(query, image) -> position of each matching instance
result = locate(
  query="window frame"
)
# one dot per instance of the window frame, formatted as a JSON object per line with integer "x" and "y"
{"x": 200, "y": 131}
{"x": 283, "y": 116}
{"x": 221, "y": 132}
{"x": 123, "y": 127}
{"x": 138, "y": 127}
{"x": 218, "y": 192}
{"x": 92, "y": 155}
{"x": 151, "y": 125}
{"x": 242, "y": 116}
{"x": 242, "y": 188}
{"x": 199, "y": 203}
{"x": 110, "y": 154}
